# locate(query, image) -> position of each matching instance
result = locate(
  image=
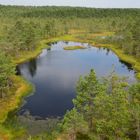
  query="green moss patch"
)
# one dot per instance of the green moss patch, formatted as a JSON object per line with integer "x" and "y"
{"x": 73, "y": 47}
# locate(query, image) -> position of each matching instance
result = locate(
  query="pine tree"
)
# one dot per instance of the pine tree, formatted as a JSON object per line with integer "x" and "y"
{"x": 73, "y": 123}
{"x": 87, "y": 89}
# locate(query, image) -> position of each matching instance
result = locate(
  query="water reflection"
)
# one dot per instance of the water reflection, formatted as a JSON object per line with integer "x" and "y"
{"x": 55, "y": 73}
{"x": 128, "y": 65}
{"x": 107, "y": 51}
{"x": 18, "y": 72}
{"x": 32, "y": 66}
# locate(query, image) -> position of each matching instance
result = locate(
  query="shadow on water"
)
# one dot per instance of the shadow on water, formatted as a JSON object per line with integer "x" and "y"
{"x": 18, "y": 72}
{"x": 128, "y": 65}
{"x": 32, "y": 66}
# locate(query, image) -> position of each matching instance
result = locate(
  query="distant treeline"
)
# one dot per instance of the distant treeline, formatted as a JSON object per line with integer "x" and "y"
{"x": 62, "y": 12}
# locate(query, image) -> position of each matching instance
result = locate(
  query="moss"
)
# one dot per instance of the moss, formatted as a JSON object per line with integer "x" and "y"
{"x": 73, "y": 47}
{"x": 10, "y": 134}
{"x": 13, "y": 101}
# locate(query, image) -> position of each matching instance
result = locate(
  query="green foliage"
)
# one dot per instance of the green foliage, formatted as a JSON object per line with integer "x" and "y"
{"x": 22, "y": 27}
{"x": 73, "y": 123}
{"x": 22, "y": 36}
{"x": 111, "y": 109}
{"x": 87, "y": 89}
{"x": 102, "y": 109}
{"x": 7, "y": 69}
{"x": 135, "y": 109}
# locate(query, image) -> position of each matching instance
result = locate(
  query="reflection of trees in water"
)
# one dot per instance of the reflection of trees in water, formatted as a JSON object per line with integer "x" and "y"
{"x": 66, "y": 42}
{"x": 128, "y": 65}
{"x": 107, "y": 51}
{"x": 99, "y": 49}
{"x": 18, "y": 72}
{"x": 52, "y": 43}
{"x": 48, "y": 49}
{"x": 88, "y": 45}
{"x": 32, "y": 66}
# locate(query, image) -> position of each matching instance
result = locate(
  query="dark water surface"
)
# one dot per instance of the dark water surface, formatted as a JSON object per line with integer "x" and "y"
{"x": 55, "y": 73}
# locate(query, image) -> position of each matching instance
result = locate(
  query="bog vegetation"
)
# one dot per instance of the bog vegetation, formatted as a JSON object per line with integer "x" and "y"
{"x": 105, "y": 110}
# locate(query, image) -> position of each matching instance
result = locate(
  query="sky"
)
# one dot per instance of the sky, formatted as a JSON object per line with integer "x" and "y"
{"x": 77, "y": 3}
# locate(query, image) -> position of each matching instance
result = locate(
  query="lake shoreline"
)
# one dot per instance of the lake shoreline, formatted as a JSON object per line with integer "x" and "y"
{"x": 25, "y": 88}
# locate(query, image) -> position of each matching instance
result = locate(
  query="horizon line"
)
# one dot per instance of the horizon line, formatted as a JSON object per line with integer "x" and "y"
{"x": 18, "y": 5}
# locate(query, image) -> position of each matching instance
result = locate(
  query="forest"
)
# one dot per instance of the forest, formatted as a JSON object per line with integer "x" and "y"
{"x": 104, "y": 109}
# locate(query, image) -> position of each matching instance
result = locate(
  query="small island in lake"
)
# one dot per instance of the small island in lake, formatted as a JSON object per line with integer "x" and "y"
{"x": 74, "y": 47}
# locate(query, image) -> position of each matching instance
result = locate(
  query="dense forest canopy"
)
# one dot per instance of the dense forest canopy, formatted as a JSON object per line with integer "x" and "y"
{"x": 124, "y": 22}
{"x": 62, "y": 12}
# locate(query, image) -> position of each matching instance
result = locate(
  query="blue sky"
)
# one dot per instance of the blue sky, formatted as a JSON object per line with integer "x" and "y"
{"x": 81, "y": 3}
